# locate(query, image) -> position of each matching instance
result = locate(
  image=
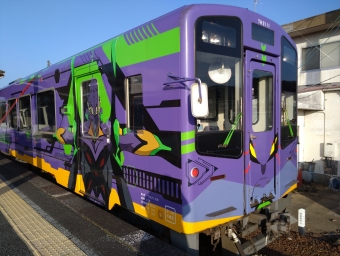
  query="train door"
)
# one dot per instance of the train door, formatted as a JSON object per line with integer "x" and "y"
{"x": 261, "y": 136}
{"x": 95, "y": 177}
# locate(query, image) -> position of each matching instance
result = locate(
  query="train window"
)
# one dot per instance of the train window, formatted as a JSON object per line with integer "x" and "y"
{"x": 214, "y": 33}
{"x": 262, "y": 102}
{"x": 262, "y": 34}
{"x": 13, "y": 120}
{"x": 134, "y": 104}
{"x": 219, "y": 35}
{"x": 288, "y": 93}
{"x": 219, "y": 65}
{"x": 223, "y": 75}
{"x": 3, "y": 119}
{"x": 90, "y": 109}
{"x": 46, "y": 111}
{"x": 255, "y": 105}
{"x": 25, "y": 112}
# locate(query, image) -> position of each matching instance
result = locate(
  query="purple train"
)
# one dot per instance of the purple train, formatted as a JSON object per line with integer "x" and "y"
{"x": 188, "y": 120}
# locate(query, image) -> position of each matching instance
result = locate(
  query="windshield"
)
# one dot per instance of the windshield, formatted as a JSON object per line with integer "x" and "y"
{"x": 288, "y": 93}
{"x": 219, "y": 65}
{"x": 222, "y": 74}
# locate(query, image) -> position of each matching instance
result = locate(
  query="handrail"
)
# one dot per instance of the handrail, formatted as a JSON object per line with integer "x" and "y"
{"x": 230, "y": 133}
{"x": 288, "y": 122}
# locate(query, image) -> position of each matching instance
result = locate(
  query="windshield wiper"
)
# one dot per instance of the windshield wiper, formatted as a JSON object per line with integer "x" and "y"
{"x": 230, "y": 133}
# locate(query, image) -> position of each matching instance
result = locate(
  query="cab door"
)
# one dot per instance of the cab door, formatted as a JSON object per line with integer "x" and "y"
{"x": 261, "y": 137}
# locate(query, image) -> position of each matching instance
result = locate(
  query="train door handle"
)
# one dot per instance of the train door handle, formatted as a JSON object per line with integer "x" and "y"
{"x": 252, "y": 137}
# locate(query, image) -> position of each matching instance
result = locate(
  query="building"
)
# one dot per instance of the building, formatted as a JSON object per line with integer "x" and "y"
{"x": 318, "y": 44}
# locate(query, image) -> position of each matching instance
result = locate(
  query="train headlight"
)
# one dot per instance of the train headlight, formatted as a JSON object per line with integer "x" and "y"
{"x": 194, "y": 172}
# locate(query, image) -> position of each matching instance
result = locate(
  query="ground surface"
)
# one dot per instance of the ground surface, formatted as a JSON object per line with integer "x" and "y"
{"x": 322, "y": 230}
{"x": 322, "y": 227}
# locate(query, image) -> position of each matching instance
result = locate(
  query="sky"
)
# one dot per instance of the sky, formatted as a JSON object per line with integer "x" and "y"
{"x": 35, "y": 31}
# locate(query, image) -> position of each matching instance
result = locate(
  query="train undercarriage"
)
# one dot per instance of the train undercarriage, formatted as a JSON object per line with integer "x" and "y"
{"x": 247, "y": 235}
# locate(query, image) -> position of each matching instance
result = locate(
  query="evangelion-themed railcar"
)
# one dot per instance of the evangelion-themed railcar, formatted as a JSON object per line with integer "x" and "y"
{"x": 188, "y": 120}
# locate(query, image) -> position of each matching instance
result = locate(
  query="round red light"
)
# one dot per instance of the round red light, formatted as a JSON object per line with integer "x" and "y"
{"x": 194, "y": 172}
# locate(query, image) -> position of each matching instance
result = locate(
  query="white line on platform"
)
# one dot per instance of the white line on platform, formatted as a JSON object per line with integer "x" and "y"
{"x": 63, "y": 194}
{"x": 136, "y": 237}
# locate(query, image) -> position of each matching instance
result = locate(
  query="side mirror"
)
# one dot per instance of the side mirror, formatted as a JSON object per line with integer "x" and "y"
{"x": 199, "y": 100}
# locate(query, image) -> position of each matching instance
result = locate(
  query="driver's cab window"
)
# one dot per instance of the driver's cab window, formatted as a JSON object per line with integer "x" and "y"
{"x": 287, "y": 108}
{"x": 218, "y": 64}
{"x": 223, "y": 78}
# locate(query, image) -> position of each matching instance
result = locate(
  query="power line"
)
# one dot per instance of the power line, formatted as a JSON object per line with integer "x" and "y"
{"x": 336, "y": 20}
{"x": 318, "y": 46}
{"x": 321, "y": 87}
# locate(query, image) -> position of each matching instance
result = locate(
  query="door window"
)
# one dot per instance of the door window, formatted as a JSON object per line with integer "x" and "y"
{"x": 262, "y": 101}
{"x": 90, "y": 109}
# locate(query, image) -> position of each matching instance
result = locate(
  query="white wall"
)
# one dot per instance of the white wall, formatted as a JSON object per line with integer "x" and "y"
{"x": 318, "y": 128}
{"x": 301, "y": 145}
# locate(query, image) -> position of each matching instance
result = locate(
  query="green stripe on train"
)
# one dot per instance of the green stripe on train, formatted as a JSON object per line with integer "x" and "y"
{"x": 154, "y": 47}
{"x": 188, "y": 148}
{"x": 188, "y": 135}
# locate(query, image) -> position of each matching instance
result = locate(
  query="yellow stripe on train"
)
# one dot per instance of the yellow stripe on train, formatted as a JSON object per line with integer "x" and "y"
{"x": 60, "y": 174}
{"x": 166, "y": 216}
{"x": 169, "y": 218}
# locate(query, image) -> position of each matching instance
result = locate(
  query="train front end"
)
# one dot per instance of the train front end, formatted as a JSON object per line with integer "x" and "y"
{"x": 243, "y": 165}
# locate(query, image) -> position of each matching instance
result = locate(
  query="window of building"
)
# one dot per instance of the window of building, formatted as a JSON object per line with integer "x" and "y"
{"x": 330, "y": 55}
{"x": 13, "y": 120}
{"x": 46, "y": 111}
{"x": 3, "y": 120}
{"x": 90, "y": 109}
{"x": 134, "y": 105}
{"x": 321, "y": 56}
{"x": 310, "y": 58}
{"x": 25, "y": 119}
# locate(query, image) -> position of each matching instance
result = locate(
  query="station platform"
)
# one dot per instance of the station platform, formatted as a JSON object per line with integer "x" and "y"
{"x": 37, "y": 233}
{"x": 38, "y": 217}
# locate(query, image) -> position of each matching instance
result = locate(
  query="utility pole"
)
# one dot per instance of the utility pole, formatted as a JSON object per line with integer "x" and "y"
{"x": 48, "y": 63}
{"x": 2, "y": 73}
{"x": 255, "y": 3}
